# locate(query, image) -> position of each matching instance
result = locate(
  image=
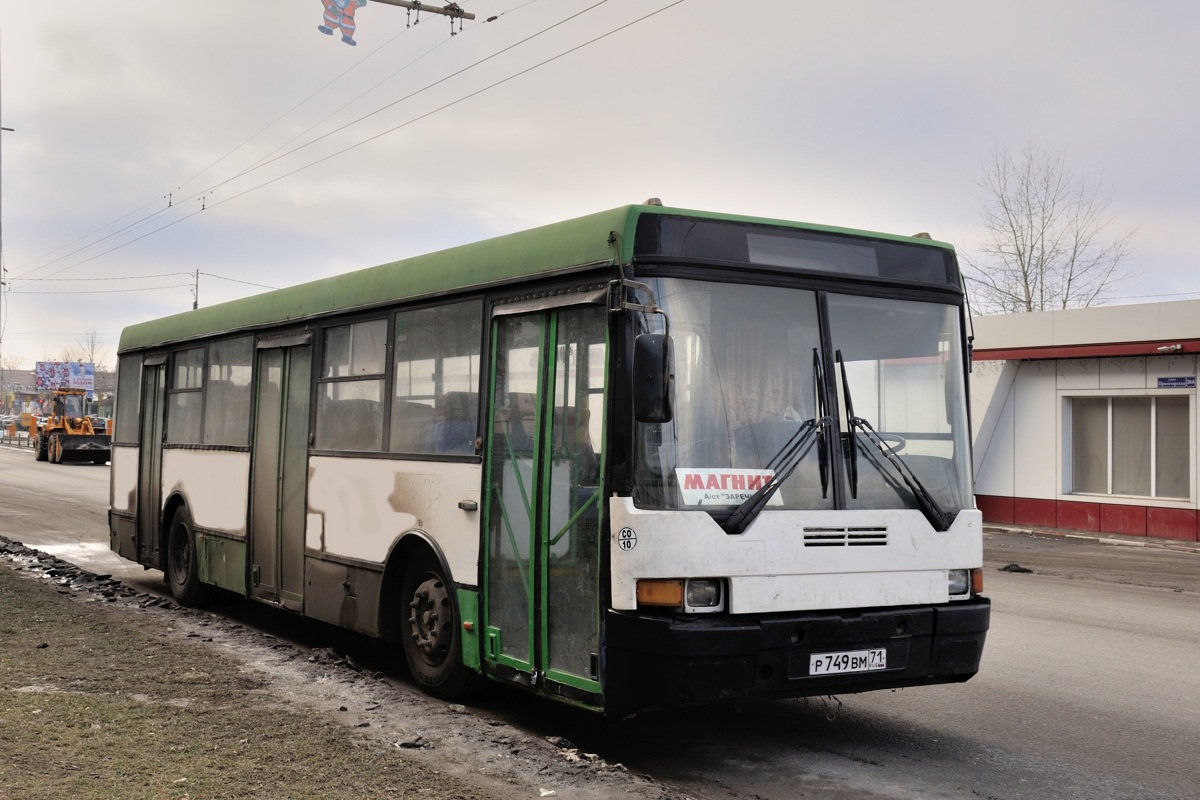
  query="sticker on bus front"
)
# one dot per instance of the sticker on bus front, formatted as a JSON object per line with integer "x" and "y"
{"x": 626, "y": 539}
{"x": 722, "y": 487}
{"x": 848, "y": 661}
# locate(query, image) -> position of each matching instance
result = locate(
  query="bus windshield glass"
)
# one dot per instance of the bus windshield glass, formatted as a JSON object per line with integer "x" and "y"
{"x": 758, "y": 391}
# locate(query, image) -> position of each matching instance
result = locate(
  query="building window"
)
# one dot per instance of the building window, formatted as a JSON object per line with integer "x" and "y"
{"x": 1135, "y": 446}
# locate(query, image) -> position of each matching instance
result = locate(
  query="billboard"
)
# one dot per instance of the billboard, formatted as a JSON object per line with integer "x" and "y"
{"x": 65, "y": 375}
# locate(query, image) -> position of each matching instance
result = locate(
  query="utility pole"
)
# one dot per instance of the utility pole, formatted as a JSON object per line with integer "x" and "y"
{"x": 3, "y": 269}
{"x": 3, "y": 280}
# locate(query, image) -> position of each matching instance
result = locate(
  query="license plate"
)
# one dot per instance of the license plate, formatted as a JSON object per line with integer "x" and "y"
{"x": 849, "y": 661}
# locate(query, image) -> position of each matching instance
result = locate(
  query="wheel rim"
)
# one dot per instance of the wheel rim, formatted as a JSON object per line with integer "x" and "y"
{"x": 429, "y": 616}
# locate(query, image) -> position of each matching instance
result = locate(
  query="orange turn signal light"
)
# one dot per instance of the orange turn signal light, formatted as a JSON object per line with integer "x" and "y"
{"x": 661, "y": 592}
{"x": 977, "y": 581}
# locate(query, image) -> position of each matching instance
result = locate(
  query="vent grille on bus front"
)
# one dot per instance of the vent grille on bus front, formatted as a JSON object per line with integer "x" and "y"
{"x": 845, "y": 537}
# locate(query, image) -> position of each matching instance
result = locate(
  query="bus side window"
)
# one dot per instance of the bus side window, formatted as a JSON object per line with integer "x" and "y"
{"x": 435, "y": 400}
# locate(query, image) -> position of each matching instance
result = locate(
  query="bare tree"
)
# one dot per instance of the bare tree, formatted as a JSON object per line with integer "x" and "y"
{"x": 1046, "y": 242}
{"x": 87, "y": 349}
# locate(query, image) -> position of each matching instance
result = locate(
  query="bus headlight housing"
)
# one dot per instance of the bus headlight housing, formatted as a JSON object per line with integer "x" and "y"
{"x": 690, "y": 595}
{"x": 963, "y": 583}
{"x": 704, "y": 594}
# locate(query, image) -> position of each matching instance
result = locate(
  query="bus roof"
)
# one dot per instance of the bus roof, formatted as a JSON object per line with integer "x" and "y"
{"x": 558, "y": 247}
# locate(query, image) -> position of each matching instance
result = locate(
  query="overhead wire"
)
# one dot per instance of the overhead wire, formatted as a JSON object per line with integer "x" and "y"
{"x": 171, "y": 202}
{"x": 356, "y": 65}
{"x": 413, "y": 94}
{"x": 470, "y": 95}
{"x": 451, "y": 104}
{"x": 27, "y": 276}
{"x": 98, "y": 291}
{"x": 235, "y": 280}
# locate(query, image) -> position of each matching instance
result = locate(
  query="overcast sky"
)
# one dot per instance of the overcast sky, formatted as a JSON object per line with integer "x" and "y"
{"x": 161, "y": 138}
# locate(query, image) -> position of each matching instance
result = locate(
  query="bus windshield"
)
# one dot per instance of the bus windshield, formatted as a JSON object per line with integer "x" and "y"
{"x": 756, "y": 392}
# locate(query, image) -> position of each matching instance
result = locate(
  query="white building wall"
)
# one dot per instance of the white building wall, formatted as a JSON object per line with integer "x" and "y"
{"x": 992, "y": 417}
{"x": 1123, "y": 373}
{"x": 1035, "y": 442}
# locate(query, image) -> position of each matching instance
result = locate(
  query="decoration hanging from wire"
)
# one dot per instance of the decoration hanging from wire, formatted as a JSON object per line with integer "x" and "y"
{"x": 339, "y": 15}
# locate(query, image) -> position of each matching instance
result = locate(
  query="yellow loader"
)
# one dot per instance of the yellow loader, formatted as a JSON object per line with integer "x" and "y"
{"x": 67, "y": 435}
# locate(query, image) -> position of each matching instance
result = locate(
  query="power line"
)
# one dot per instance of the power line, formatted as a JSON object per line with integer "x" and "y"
{"x": 114, "y": 278}
{"x": 357, "y": 64}
{"x": 169, "y": 198}
{"x": 372, "y": 138}
{"x": 86, "y": 235}
{"x": 411, "y": 95}
{"x": 235, "y": 280}
{"x": 1147, "y": 296}
{"x": 170, "y": 202}
{"x": 452, "y": 103}
{"x": 103, "y": 291}
{"x": 124, "y": 244}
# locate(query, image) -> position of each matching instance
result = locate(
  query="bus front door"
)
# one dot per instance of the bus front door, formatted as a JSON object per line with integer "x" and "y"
{"x": 279, "y": 475}
{"x": 544, "y": 499}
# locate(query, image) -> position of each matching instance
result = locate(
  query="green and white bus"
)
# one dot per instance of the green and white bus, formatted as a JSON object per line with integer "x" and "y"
{"x": 641, "y": 459}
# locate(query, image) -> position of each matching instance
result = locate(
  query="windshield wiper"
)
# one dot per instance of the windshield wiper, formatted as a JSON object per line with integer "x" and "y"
{"x": 782, "y": 464}
{"x": 937, "y": 516}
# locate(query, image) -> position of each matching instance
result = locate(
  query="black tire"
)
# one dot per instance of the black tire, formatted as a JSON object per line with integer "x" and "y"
{"x": 39, "y": 449}
{"x": 430, "y": 631}
{"x": 181, "y": 567}
{"x": 55, "y": 449}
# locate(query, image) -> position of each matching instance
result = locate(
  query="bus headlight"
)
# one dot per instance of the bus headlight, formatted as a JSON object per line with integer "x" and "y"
{"x": 965, "y": 582}
{"x": 959, "y": 581}
{"x": 704, "y": 593}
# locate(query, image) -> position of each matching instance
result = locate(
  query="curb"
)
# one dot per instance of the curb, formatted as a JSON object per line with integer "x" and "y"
{"x": 1111, "y": 539}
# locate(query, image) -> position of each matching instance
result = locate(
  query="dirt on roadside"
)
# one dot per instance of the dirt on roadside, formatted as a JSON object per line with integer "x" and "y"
{"x": 110, "y": 693}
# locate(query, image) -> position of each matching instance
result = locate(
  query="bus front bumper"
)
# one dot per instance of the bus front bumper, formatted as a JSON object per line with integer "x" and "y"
{"x": 662, "y": 662}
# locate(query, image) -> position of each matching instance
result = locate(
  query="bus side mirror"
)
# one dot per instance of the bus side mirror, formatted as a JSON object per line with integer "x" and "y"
{"x": 652, "y": 378}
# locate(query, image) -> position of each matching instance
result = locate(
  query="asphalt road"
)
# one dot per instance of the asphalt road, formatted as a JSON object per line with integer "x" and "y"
{"x": 1090, "y": 686}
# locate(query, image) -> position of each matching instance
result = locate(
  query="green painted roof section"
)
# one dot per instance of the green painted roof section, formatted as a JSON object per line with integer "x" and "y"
{"x": 552, "y": 248}
{"x": 547, "y": 249}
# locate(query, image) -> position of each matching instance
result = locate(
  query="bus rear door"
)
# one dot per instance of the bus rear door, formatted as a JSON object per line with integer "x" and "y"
{"x": 150, "y": 437}
{"x": 279, "y": 472}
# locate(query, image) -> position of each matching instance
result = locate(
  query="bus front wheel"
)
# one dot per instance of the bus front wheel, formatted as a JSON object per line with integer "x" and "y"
{"x": 430, "y": 631}
{"x": 183, "y": 573}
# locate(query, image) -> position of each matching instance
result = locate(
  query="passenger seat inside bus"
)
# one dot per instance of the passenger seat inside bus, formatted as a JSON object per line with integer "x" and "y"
{"x": 410, "y": 426}
{"x": 453, "y": 429}
{"x": 522, "y": 421}
{"x": 357, "y": 424}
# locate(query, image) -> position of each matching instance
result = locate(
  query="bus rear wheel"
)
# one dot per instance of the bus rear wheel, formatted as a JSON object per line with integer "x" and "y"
{"x": 430, "y": 628}
{"x": 182, "y": 569}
